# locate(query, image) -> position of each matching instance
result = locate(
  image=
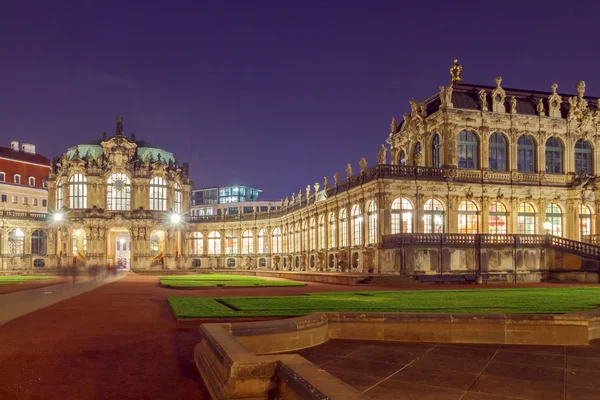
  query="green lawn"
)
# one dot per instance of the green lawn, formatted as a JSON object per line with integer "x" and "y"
{"x": 215, "y": 280}
{"x": 21, "y": 279}
{"x": 502, "y": 301}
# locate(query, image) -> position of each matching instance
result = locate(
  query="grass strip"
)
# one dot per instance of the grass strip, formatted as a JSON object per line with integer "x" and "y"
{"x": 504, "y": 301}
{"x": 22, "y": 279}
{"x": 216, "y": 280}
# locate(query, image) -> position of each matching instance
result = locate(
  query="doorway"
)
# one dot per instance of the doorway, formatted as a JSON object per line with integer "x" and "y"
{"x": 119, "y": 248}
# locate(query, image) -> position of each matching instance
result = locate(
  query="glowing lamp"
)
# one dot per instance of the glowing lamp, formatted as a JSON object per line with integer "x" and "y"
{"x": 175, "y": 218}
{"x": 547, "y": 226}
{"x": 58, "y": 217}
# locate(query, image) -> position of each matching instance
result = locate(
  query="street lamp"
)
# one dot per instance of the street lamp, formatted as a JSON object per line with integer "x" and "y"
{"x": 548, "y": 227}
{"x": 57, "y": 217}
{"x": 175, "y": 218}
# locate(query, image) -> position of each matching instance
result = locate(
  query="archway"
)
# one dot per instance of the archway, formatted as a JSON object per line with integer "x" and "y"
{"x": 118, "y": 248}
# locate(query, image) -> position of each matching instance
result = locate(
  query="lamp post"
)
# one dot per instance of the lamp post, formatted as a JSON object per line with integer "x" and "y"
{"x": 548, "y": 227}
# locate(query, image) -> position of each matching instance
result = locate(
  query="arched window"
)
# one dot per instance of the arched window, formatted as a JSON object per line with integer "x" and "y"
{"x": 313, "y": 234}
{"x": 2, "y": 176}
{"x": 16, "y": 241}
{"x": 298, "y": 239}
{"x": 585, "y": 222}
{"x": 154, "y": 243}
{"x": 554, "y": 216}
{"x": 291, "y": 243}
{"x": 416, "y": 151}
{"x": 402, "y": 216}
{"x": 276, "y": 241}
{"x": 343, "y": 228}
{"x": 526, "y": 154}
{"x": 158, "y": 194}
{"x": 583, "y": 157}
{"x": 526, "y": 219}
{"x": 214, "y": 243}
{"x": 118, "y": 192}
{"x": 231, "y": 243}
{"x": 554, "y": 152}
{"x": 433, "y": 216}
{"x": 372, "y": 218}
{"x": 247, "y": 242}
{"x": 332, "y": 231}
{"x": 39, "y": 243}
{"x": 263, "y": 243}
{"x": 402, "y": 158}
{"x": 304, "y": 236}
{"x": 467, "y": 217}
{"x": 497, "y": 219}
{"x": 77, "y": 191}
{"x": 59, "y": 195}
{"x": 468, "y": 150}
{"x": 177, "y": 198}
{"x": 79, "y": 241}
{"x": 357, "y": 226}
{"x": 435, "y": 152}
{"x": 322, "y": 236}
{"x": 498, "y": 152}
{"x": 196, "y": 244}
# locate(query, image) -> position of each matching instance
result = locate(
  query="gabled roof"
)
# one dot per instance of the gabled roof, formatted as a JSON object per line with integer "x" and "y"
{"x": 7, "y": 152}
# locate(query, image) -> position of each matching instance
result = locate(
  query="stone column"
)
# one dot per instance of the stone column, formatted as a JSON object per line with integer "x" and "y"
{"x": 484, "y": 216}
{"x": 513, "y": 216}
{"x": 419, "y": 213}
{"x": 542, "y": 218}
{"x": 571, "y": 224}
{"x": 452, "y": 215}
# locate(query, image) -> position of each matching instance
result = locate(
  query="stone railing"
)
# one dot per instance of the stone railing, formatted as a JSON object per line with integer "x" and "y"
{"x": 593, "y": 239}
{"x": 24, "y": 215}
{"x": 456, "y": 239}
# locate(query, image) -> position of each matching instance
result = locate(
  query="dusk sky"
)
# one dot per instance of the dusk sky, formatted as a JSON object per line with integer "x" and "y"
{"x": 271, "y": 94}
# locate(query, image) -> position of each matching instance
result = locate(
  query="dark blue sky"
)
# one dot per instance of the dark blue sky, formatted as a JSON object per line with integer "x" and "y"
{"x": 272, "y": 94}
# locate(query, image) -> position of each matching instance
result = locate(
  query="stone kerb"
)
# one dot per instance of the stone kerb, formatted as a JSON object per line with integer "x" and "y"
{"x": 240, "y": 360}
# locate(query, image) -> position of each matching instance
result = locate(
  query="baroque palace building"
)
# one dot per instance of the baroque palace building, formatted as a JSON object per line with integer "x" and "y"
{"x": 478, "y": 179}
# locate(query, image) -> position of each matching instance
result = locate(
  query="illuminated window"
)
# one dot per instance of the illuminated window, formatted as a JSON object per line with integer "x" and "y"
{"x": 291, "y": 240}
{"x": 313, "y": 234}
{"x": 39, "y": 242}
{"x": 498, "y": 153}
{"x": 118, "y": 193}
{"x": 298, "y": 239}
{"x": 263, "y": 243}
{"x": 214, "y": 243}
{"x": 276, "y": 244}
{"x": 332, "y": 231}
{"x": 59, "y": 194}
{"x": 305, "y": 236}
{"x": 196, "y": 244}
{"x": 177, "y": 198}
{"x": 357, "y": 226}
{"x": 467, "y": 217}
{"x": 322, "y": 235}
{"x": 231, "y": 243}
{"x": 585, "y": 222}
{"x": 554, "y": 152}
{"x": 16, "y": 241}
{"x": 435, "y": 152}
{"x": 247, "y": 242}
{"x": 526, "y": 219}
{"x": 468, "y": 150}
{"x": 497, "y": 219}
{"x": 77, "y": 191}
{"x": 402, "y": 216}
{"x": 158, "y": 194}
{"x": 554, "y": 216}
{"x": 372, "y": 218}
{"x": 433, "y": 216}
{"x": 343, "y": 228}
{"x": 526, "y": 154}
{"x": 583, "y": 157}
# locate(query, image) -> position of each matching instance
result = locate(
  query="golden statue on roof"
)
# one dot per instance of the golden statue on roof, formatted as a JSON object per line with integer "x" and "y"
{"x": 455, "y": 72}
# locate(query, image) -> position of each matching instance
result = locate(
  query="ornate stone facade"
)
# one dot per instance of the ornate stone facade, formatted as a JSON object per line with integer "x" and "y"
{"x": 469, "y": 160}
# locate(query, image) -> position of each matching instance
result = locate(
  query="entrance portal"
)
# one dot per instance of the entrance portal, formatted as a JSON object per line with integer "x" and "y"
{"x": 119, "y": 248}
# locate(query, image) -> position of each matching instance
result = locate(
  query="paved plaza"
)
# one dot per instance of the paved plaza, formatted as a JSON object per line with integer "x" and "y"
{"x": 121, "y": 341}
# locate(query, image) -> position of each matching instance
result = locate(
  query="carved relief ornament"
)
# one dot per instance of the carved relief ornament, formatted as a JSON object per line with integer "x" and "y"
{"x": 498, "y": 97}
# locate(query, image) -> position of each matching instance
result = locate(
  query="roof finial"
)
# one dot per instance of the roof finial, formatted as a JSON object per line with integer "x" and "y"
{"x": 455, "y": 72}
{"x": 119, "y": 126}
